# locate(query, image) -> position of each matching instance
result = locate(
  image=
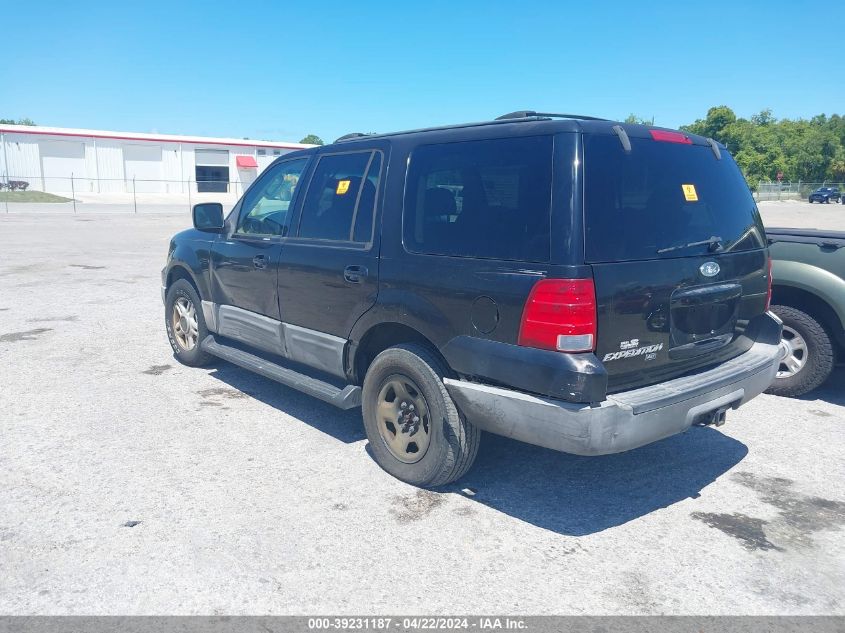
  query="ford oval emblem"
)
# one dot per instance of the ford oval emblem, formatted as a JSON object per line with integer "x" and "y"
{"x": 709, "y": 269}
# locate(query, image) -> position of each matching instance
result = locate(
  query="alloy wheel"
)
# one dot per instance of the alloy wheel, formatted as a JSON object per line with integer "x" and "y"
{"x": 184, "y": 321}
{"x": 796, "y": 356}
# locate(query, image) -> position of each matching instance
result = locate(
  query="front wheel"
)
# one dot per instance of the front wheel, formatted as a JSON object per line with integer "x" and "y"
{"x": 809, "y": 359}
{"x": 185, "y": 324}
{"x": 415, "y": 431}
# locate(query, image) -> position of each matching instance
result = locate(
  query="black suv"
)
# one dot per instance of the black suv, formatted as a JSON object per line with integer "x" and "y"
{"x": 825, "y": 195}
{"x": 575, "y": 283}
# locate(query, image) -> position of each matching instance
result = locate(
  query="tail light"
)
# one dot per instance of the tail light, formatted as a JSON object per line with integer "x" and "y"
{"x": 560, "y": 315}
{"x": 670, "y": 137}
{"x": 769, "y": 290}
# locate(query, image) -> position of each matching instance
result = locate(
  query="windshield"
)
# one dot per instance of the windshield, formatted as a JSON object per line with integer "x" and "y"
{"x": 664, "y": 200}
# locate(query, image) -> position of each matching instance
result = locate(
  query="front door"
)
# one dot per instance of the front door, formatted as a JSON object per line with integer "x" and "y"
{"x": 244, "y": 261}
{"x": 328, "y": 270}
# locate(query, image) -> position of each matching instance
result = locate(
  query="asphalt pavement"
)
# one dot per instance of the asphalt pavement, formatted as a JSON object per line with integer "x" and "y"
{"x": 130, "y": 484}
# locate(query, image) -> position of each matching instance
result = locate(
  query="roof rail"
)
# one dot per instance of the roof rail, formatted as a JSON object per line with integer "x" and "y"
{"x": 528, "y": 114}
{"x": 350, "y": 136}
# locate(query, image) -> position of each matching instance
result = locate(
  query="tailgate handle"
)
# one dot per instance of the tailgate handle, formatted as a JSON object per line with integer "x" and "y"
{"x": 707, "y": 294}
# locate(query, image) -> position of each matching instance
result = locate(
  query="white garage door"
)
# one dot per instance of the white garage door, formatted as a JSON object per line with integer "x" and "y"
{"x": 60, "y": 159}
{"x": 143, "y": 163}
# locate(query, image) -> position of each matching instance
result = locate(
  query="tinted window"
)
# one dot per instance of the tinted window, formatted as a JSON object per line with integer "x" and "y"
{"x": 266, "y": 205}
{"x": 341, "y": 198}
{"x": 488, "y": 199}
{"x": 661, "y": 196}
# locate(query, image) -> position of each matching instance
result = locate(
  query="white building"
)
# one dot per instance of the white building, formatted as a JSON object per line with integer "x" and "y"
{"x": 116, "y": 162}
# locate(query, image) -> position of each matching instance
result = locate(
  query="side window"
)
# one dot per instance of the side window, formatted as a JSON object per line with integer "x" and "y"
{"x": 341, "y": 197}
{"x": 266, "y": 206}
{"x": 488, "y": 199}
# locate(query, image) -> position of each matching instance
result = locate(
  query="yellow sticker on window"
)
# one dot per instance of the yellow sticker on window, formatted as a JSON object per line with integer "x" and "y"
{"x": 342, "y": 187}
{"x": 689, "y": 193}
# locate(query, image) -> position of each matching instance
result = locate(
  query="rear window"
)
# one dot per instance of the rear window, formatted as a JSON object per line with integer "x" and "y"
{"x": 487, "y": 199}
{"x": 663, "y": 200}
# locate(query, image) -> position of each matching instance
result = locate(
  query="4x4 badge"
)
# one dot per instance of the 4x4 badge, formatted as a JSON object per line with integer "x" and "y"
{"x": 709, "y": 269}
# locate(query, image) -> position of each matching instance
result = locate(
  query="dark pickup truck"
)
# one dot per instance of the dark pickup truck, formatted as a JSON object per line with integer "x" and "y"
{"x": 825, "y": 195}
{"x": 808, "y": 294}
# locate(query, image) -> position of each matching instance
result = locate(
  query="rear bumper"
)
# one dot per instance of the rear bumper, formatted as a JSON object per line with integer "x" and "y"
{"x": 629, "y": 419}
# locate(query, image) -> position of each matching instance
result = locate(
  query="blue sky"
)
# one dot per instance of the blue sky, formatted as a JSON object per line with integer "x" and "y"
{"x": 280, "y": 70}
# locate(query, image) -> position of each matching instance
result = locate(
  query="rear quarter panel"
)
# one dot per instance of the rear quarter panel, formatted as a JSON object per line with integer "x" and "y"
{"x": 813, "y": 269}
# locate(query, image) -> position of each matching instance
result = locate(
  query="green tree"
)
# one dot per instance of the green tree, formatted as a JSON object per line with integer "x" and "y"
{"x": 23, "y": 121}
{"x": 718, "y": 118}
{"x": 633, "y": 118}
{"x": 312, "y": 139}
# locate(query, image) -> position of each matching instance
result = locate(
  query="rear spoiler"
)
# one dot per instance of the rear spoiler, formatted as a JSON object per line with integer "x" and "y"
{"x": 664, "y": 135}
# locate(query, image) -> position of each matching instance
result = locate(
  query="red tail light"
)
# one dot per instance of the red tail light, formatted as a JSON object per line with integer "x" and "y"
{"x": 670, "y": 137}
{"x": 769, "y": 291}
{"x": 560, "y": 315}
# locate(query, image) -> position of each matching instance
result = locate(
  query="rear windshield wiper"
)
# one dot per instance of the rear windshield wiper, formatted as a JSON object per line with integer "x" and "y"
{"x": 715, "y": 244}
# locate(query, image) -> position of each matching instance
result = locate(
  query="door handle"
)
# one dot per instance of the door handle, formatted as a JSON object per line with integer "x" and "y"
{"x": 355, "y": 274}
{"x": 259, "y": 261}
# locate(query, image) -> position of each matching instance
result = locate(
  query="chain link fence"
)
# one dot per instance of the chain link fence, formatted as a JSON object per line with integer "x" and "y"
{"x": 71, "y": 194}
{"x": 786, "y": 190}
{"x": 37, "y": 194}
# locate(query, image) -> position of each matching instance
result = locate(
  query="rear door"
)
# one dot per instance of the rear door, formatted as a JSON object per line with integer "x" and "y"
{"x": 678, "y": 254}
{"x": 328, "y": 271}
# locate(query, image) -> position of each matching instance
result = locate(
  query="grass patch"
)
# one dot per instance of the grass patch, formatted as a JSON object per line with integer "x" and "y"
{"x": 31, "y": 196}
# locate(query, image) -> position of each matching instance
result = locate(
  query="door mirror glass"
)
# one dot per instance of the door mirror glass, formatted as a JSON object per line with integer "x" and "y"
{"x": 208, "y": 216}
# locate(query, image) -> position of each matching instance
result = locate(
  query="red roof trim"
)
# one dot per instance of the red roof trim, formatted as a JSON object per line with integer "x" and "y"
{"x": 156, "y": 139}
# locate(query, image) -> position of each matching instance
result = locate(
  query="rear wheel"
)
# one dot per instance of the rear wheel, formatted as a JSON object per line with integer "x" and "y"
{"x": 415, "y": 431}
{"x": 809, "y": 359}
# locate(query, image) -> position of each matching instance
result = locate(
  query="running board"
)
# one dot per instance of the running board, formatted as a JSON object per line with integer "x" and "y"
{"x": 347, "y": 398}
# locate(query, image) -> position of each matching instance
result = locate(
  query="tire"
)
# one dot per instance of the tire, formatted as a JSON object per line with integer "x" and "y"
{"x": 817, "y": 354}
{"x": 451, "y": 441}
{"x": 183, "y": 293}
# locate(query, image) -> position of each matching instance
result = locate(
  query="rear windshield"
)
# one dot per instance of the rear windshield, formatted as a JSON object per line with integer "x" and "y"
{"x": 664, "y": 200}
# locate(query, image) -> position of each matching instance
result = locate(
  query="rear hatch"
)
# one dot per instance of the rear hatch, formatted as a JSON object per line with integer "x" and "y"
{"x": 678, "y": 254}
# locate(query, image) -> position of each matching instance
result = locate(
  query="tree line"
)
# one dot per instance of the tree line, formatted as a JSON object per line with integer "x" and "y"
{"x": 810, "y": 150}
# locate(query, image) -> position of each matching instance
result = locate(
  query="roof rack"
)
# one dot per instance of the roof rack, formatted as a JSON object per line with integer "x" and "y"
{"x": 350, "y": 136}
{"x": 506, "y": 118}
{"x": 530, "y": 114}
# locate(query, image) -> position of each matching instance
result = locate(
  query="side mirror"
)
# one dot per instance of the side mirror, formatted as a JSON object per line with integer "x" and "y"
{"x": 208, "y": 216}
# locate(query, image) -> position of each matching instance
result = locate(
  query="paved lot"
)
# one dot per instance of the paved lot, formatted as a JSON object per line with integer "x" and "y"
{"x": 252, "y": 498}
{"x": 792, "y": 213}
